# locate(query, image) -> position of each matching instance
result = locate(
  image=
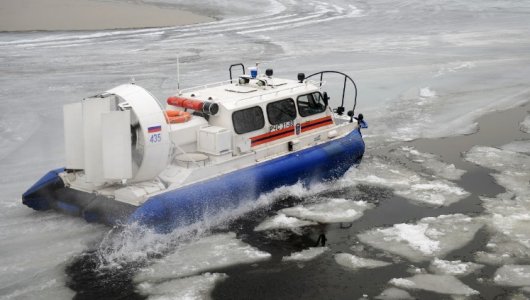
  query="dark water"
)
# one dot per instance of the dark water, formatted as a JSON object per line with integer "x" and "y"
{"x": 322, "y": 277}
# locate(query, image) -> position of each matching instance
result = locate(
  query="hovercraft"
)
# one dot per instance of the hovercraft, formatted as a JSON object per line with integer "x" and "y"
{"x": 211, "y": 148}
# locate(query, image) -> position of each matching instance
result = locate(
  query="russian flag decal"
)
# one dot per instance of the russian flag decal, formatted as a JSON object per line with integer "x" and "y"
{"x": 154, "y": 129}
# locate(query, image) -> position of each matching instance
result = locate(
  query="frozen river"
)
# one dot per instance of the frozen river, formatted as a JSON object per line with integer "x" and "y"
{"x": 403, "y": 223}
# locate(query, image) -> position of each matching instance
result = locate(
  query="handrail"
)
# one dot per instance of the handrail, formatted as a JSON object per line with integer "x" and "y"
{"x": 346, "y": 78}
{"x": 235, "y": 65}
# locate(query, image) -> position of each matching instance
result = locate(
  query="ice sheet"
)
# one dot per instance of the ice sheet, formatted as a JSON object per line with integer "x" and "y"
{"x": 200, "y": 256}
{"x": 513, "y": 275}
{"x": 518, "y": 146}
{"x": 329, "y": 210}
{"x": 420, "y": 188}
{"x": 455, "y": 268}
{"x": 306, "y": 254}
{"x": 442, "y": 284}
{"x": 525, "y": 125}
{"x": 433, "y": 163}
{"x": 196, "y": 287}
{"x": 394, "y": 294}
{"x": 508, "y": 213}
{"x": 281, "y": 221}
{"x": 354, "y": 262}
{"x": 426, "y": 239}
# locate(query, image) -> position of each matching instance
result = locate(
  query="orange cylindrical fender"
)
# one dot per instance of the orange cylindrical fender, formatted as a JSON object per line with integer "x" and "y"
{"x": 207, "y": 107}
{"x": 177, "y": 116}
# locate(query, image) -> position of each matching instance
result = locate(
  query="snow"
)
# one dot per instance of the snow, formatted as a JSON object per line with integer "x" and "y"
{"x": 306, "y": 254}
{"x": 455, "y": 268}
{"x": 394, "y": 294}
{"x": 428, "y": 238}
{"x": 410, "y": 184}
{"x": 281, "y": 221}
{"x": 442, "y": 284}
{"x": 190, "y": 288}
{"x": 354, "y": 262}
{"x": 525, "y": 125}
{"x": 513, "y": 275}
{"x": 334, "y": 210}
{"x": 200, "y": 256}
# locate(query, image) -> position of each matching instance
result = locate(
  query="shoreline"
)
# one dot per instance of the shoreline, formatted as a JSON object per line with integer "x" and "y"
{"x": 84, "y": 15}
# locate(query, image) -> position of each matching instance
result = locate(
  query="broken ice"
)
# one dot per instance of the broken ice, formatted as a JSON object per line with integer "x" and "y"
{"x": 428, "y": 238}
{"x": 199, "y": 256}
{"x": 281, "y": 221}
{"x": 442, "y": 284}
{"x": 329, "y": 211}
{"x": 355, "y": 262}
{"x": 455, "y": 268}
{"x": 409, "y": 184}
{"x": 306, "y": 254}
{"x": 513, "y": 275}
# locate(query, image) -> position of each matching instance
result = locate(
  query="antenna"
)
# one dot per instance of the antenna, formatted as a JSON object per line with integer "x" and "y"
{"x": 178, "y": 75}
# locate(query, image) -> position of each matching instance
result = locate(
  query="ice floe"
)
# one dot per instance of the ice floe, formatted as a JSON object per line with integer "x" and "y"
{"x": 518, "y": 146}
{"x": 513, "y": 275}
{"x": 394, "y": 294}
{"x": 428, "y": 238}
{"x": 281, "y": 221}
{"x": 306, "y": 254}
{"x": 330, "y": 210}
{"x": 409, "y": 184}
{"x": 190, "y": 288}
{"x": 455, "y": 268}
{"x": 498, "y": 159}
{"x": 525, "y": 125}
{"x": 442, "y": 284}
{"x": 426, "y": 92}
{"x": 433, "y": 163}
{"x": 508, "y": 214}
{"x": 200, "y": 256}
{"x": 354, "y": 262}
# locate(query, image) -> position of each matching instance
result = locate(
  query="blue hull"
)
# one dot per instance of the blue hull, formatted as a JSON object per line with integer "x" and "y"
{"x": 193, "y": 203}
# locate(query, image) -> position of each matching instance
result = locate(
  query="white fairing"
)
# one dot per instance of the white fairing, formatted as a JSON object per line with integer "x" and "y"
{"x": 93, "y": 109}
{"x": 119, "y": 135}
{"x": 152, "y": 149}
{"x": 116, "y": 136}
{"x": 73, "y": 140}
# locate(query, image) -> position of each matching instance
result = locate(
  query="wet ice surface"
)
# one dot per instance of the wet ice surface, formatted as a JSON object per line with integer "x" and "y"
{"x": 305, "y": 255}
{"x": 355, "y": 262}
{"x": 427, "y": 238}
{"x": 423, "y": 69}
{"x": 329, "y": 211}
{"x": 443, "y": 284}
{"x": 190, "y": 288}
{"x": 281, "y": 221}
{"x": 513, "y": 275}
{"x": 455, "y": 268}
{"x": 525, "y": 125}
{"x": 509, "y": 213}
{"x": 518, "y": 146}
{"x": 427, "y": 189}
{"x": 394, "y": 294}
{"x": 203, "y": 255}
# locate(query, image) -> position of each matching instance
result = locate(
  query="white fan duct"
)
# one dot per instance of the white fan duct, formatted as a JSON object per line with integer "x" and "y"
{"x": 124, "y": 136}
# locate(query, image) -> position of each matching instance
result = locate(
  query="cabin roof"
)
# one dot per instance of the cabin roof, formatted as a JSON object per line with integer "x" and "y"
{"x": 235, "y": 96}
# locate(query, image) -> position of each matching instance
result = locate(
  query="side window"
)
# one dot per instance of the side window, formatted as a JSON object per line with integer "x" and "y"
{"x": 248, "y": 119}
{"x": 310, "y": 104}
{"x": 281, "y": 111}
